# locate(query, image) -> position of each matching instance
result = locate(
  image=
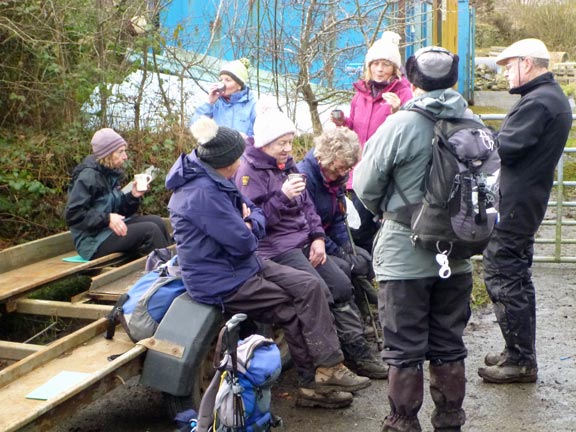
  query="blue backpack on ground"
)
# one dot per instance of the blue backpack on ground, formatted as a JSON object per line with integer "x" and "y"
{"x": 259, "y": 366}
{"x": 142, "y": 308}
{"x": 238, "y": 397}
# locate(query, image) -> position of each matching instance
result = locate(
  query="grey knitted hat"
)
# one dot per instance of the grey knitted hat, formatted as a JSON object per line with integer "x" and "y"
{"x": 432, "y": 68}
{"x": 106, "y": 141}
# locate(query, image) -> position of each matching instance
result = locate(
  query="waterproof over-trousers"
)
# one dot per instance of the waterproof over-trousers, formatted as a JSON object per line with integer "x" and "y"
{"x": 405, "y": 395}
{"x": 448, "y": 388}
{"x": 296, "y": 302}
{"x": 338, "y": 289}
{"x": 508, "y": 277}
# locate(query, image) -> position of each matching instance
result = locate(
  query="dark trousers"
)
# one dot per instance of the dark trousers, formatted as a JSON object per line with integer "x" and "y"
{"x": 424, "y": 319}
{"x": 508, "y": 276}
{"x": 338, "y": 288}
{"x": 145, "y": 233}
{"x": 295, "y": 301}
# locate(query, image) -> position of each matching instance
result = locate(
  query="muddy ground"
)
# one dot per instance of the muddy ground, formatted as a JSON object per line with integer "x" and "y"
{"x": 547, "y": 406}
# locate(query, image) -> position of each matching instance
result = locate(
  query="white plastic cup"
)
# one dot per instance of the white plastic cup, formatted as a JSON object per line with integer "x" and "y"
{"x": 142, "y": 182}
{"x": 297, "y": 176}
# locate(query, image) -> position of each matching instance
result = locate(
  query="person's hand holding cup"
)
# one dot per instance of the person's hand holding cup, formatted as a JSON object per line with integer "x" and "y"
{"x": 337, "y": 117}
{"x": 294, "y": 185}
{"x": 140, "y": 185}
{"x": 217, "y": 90}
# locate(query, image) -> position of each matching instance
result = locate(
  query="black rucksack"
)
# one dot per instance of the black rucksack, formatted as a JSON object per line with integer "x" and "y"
{"x": 461, "y": 189}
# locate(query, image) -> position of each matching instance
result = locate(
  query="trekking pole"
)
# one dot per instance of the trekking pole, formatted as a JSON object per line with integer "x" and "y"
{"x": 232, "y": 335}
{"x": 230, "y": 332}
{"x": 379, "y": 341}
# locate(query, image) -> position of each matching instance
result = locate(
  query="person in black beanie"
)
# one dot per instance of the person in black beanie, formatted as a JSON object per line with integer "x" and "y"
{"x": 423, "y": 315}
{"x": 217, "y": 232}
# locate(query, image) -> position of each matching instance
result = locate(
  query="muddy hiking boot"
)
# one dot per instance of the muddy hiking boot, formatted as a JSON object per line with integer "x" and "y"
{"x": 310, "y": 398}
{"x": 507, "y": 372}
{"x": 373, "y": 368}
{"x": 493, "y": 358}
{"x": 360, "y": 359}
{"x": 339, "y": 378}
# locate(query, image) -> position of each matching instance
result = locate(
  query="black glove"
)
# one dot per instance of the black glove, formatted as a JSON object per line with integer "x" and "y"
{"x": 361, "y": 262}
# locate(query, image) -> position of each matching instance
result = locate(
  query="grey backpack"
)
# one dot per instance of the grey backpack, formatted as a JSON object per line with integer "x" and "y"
{"x": 461, "y": 189}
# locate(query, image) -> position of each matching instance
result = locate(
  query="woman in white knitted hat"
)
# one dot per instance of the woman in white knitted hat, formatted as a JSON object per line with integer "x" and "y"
{"x": 102, "y": 218}
{"x": 381, "y": 92}
{"x": 230, "y": 102}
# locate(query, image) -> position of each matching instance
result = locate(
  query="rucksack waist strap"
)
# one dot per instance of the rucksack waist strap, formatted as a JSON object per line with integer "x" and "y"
{"x": 402, "y": 215}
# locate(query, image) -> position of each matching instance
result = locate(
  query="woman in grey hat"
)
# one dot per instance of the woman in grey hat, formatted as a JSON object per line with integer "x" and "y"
{"x": 102, "y": 218}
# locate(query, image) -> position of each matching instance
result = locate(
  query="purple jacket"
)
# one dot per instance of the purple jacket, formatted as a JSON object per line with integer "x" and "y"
{"x": 290, "y": 224}
{"x": 367, "y": 112}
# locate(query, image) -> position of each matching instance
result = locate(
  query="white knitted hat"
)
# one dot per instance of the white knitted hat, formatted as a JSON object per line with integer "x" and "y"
{"x": 237, "y": 70}
{"x": 385, "y": 48}
{"x": 271, "y": 124}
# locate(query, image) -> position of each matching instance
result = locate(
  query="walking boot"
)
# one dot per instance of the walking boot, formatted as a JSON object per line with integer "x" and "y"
{"x": 359, "y": 358}
{"x": 507, "y": 372}
{"x": 493, "y": 358}
{"x": 310, "y": 398}
{"x": 448, "y": 387}
{"x": 405, "y": 395}
{"x": 339, "y": 378}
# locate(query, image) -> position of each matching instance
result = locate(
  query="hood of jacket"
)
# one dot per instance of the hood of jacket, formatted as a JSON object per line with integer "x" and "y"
{"x": 90, "y": 163}
{"x": 188, "y": 167}
{"x": 446, "y": 103}
{"x": 238, "y": 97}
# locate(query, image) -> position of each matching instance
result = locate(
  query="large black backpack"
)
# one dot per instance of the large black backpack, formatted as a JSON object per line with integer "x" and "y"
{"x": 461, "y": 189}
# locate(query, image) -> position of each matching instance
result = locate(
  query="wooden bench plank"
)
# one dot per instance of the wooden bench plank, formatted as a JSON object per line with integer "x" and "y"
{"x": 62, "y": 309}
{"x": 23, "y": 279}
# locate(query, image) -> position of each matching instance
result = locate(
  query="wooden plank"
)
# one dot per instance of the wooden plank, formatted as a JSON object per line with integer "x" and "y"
{"x": 92, "y": 357}
{"x": 17, "y": 350}
{"x": 23, "y": 279}
{"x": 37, "y": 250}
{"x": 57, "y": 348}
{"x": 110, "y": 285}
{"x": 62, "y": 309}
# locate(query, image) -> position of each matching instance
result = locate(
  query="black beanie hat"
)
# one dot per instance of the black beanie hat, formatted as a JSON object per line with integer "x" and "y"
{"x": 432, "y": 68}
{"x": 220, "y": 146}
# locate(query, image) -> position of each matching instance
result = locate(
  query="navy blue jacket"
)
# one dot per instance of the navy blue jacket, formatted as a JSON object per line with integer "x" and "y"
{"x": 216, "y": 250}
{"x": 330, "y": 202}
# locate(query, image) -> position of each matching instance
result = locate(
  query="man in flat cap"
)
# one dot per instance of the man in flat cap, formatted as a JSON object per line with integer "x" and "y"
{"x": 532, "y": 139}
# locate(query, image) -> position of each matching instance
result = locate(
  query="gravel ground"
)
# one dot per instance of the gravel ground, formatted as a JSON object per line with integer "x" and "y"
{"x": 548, "y": 405}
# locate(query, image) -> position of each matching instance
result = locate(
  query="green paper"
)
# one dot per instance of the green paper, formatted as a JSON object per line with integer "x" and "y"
{"x": 58, "y": 384}
{"x": 75, "y": 259}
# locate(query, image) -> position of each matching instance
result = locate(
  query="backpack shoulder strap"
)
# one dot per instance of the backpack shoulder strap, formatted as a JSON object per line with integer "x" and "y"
{"x": 404, "y": 213}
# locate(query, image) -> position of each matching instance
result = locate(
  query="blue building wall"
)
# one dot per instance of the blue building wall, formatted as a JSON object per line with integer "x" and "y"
{"x": 190, "y": 19}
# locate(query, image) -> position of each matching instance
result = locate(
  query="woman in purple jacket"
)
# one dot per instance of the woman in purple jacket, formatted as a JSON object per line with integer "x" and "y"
{"x": 381, "y": 92}
{"x": 294, "y": 233}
